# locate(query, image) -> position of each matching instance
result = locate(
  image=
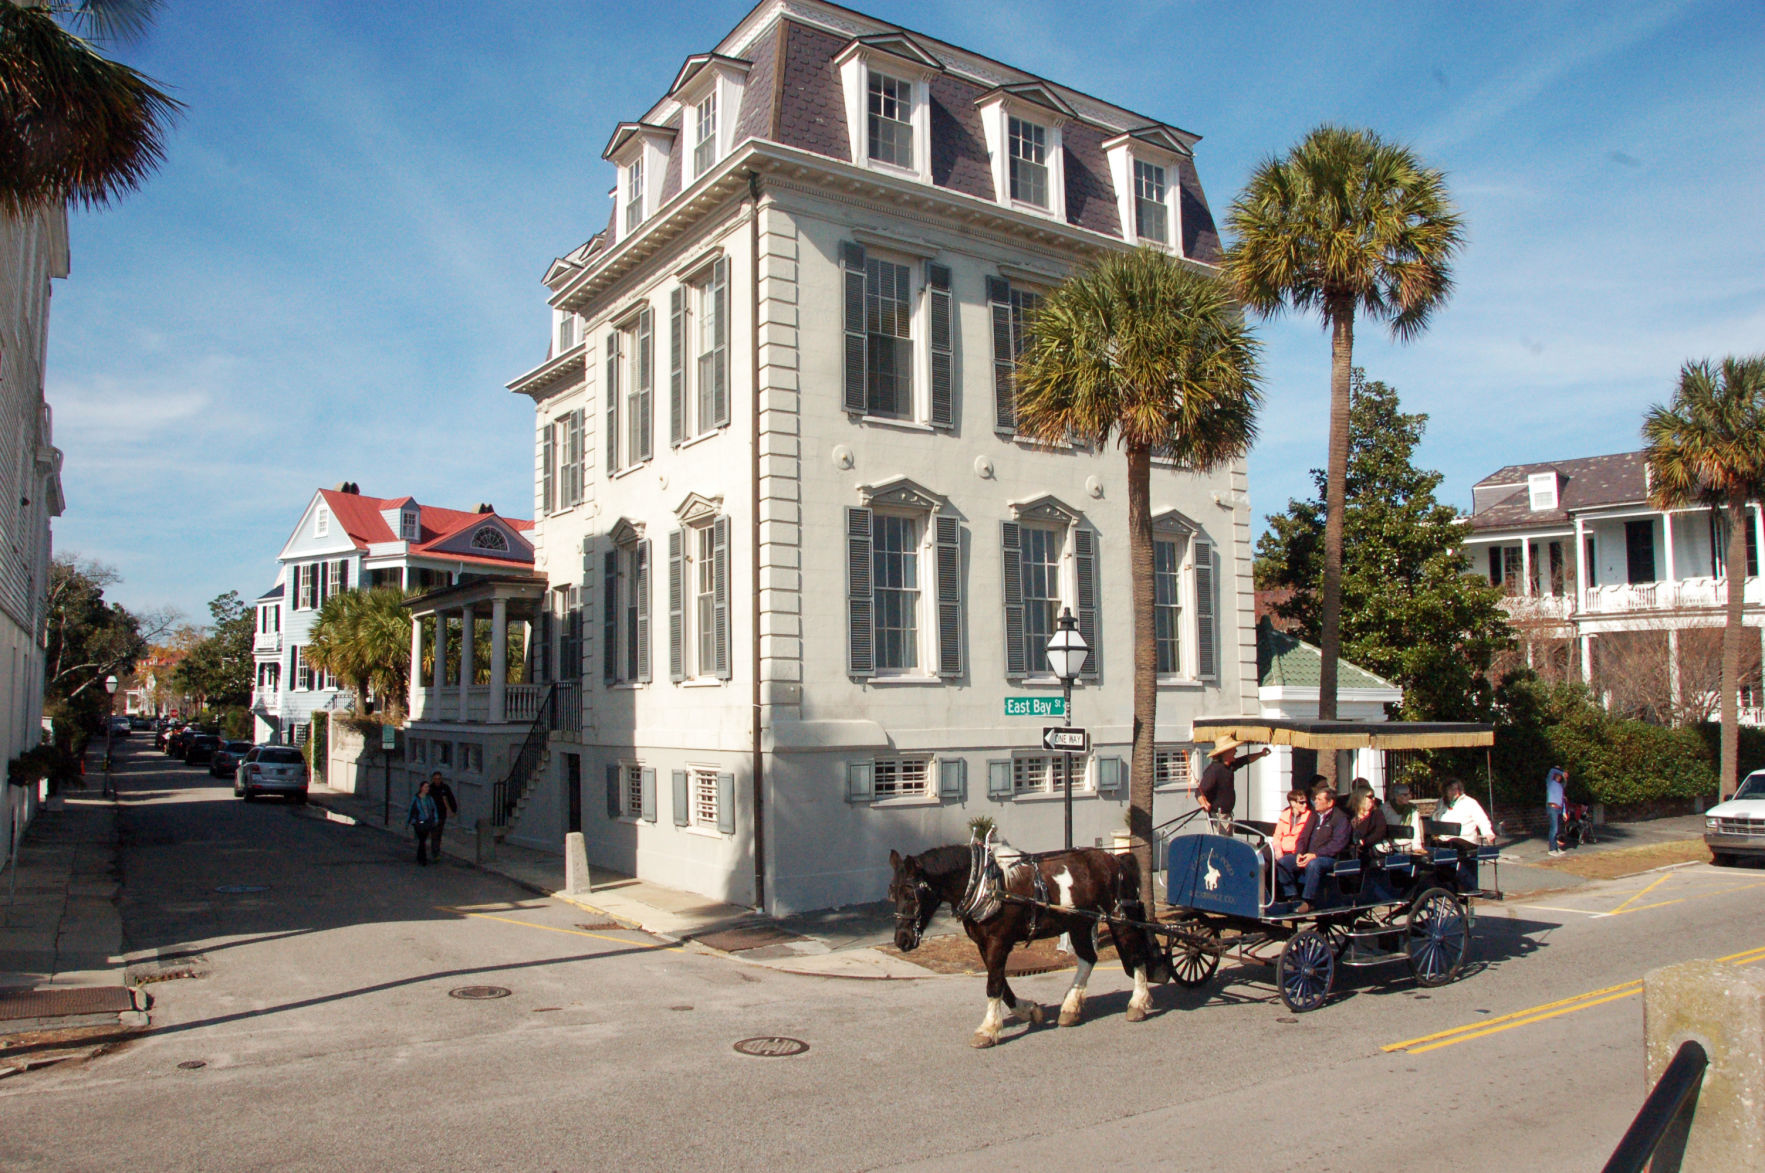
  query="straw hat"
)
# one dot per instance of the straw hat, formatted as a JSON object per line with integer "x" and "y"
{"x": 1225, "y": 744}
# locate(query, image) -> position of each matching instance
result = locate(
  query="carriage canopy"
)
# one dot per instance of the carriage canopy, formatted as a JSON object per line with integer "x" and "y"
{"x": 1329, "y": 735}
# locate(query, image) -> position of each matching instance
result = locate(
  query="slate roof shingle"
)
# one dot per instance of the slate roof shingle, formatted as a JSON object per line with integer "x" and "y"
{"x": 1587, "y": 482}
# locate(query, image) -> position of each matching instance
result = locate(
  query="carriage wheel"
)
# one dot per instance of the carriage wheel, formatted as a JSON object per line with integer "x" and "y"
{"x": 1438, "y": 937}
{"x": 1195, "y": 956}
{"x": 1305, "y": 970}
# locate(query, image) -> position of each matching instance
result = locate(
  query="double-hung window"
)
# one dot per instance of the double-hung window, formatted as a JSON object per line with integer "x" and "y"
{"x": 1049, "y": 565}
{"x": 303, "y": 671}
{"x": 625, "y": 609}
{"x": 634, "y": 195}
{"x": 886, "y": 331}
{"x": 705, "y": 134}
{"x": 1151, "y": 215}
{"x": 889, "y": 120}
{"x": 630, "y": 391}
{"x": 698, "y": 352}
{"x": 1013, "y": 308}
{"x": 1028, "y": 144}
{"x": 1167, "y": 603}
{"x": 567, "y": 606}
{"x": 903, "y": 587}
{"x": 566, "y": 332}
{"x": 888, "y": 339}
{"x": 698, "y": 598}
{"x": 410, "y": 527}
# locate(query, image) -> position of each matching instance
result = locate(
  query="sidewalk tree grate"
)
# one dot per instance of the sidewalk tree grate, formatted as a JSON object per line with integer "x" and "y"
{"x": 240, "y": 889}
{"x": 65, "y": 1002}
{"x": 478, "y": 993}
{"x": 771, "y": 1047}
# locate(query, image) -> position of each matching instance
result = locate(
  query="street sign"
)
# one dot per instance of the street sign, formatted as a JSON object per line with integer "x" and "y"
{"x": 1065, "y": 739}
{"x": 388, "y": 737}
{"x": 1035, "y": 706}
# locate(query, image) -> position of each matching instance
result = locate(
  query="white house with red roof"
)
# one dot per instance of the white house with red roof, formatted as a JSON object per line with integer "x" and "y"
{"x": 345, "y": 540}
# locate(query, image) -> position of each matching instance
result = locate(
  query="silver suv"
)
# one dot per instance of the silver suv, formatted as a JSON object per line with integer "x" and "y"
{"x": 271, "y": 769}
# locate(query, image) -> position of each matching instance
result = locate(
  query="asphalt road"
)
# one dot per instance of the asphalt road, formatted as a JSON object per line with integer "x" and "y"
{"x": 328, "y": 1038}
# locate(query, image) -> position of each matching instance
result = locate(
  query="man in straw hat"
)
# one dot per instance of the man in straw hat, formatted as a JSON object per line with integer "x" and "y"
{"x": 1218, "y": 792}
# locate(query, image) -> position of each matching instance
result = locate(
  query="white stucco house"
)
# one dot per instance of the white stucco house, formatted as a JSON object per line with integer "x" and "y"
{"x": 345, "y": 540}
{"x": 797, "y": 555}
{"x": 33, "y": 252}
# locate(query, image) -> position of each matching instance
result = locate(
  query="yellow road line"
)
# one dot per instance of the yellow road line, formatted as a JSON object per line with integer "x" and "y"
{"x": 527, "y": 924}
{"x": 1665, "y": 876}
{"x": 1477, "y": 1030}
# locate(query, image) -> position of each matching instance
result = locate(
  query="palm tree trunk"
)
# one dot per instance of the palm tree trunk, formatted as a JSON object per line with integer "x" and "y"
{"x": 1341, "y": 313}
{"x": 1145, "y": 663}
{"x": 1732, "y": 633}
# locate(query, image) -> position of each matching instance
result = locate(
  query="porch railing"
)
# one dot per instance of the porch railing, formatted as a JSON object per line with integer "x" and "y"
{"x": 559, "y": 708}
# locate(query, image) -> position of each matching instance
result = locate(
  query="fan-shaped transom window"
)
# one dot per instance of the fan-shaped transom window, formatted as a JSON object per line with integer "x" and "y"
{"x": 488, "y": 537}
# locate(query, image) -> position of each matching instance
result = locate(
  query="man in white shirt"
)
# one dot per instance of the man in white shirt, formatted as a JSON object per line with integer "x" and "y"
{"x": 1458, "y": 807}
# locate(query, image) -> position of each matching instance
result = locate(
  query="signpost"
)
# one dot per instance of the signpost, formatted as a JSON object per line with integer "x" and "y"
{"x": 1065, "y": 739}
{"x": 1035, "y": 706}
{"x": 388, "y": 742}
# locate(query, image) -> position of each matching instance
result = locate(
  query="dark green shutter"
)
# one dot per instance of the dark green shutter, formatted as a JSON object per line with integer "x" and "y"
{"x": 949, "y": 567}
{"x": 610, "y": 617}
{"x": 677, "y": 366}
{"x": 937, "y": 280}
{"x": 1011, "y": 567}
{"x": 860, "y": 629}
{"x": 1206, "y": 614}
{"x": 953, "y": 779}
{"x": 677, "y": 605}
{"x": 613, "y": 791}
{"x": 640, "y": 586}
{"x": 682, "y": 798}
{"x": 612, "y": 393}
{"x": 1004, "y": 355}
{"x": 643, "y": 415}
{"x": 726, "y": 803}
{"x": 1085, "y": 556}
{"x": 1109, "y": 775}
{"x": 547, "y": 458}
{"x": 647, "y": 783}
{"x": 718, "y": 295}
{"x": 852, "y": 262}
{"x": 720, "y": 594}
{"x": 999, "y": 778}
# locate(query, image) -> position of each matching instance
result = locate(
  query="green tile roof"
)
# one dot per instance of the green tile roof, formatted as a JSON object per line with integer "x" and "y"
{"x": 1287, "y": 661}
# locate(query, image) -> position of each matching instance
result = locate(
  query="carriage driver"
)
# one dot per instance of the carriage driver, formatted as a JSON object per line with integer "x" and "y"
{"x": 1217, "y": 792}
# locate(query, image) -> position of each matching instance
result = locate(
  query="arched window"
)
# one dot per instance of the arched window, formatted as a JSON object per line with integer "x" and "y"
{"x": 488, "y": 537}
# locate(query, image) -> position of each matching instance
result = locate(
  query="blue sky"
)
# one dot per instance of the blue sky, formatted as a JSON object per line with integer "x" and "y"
{"x": 337, "y": 270}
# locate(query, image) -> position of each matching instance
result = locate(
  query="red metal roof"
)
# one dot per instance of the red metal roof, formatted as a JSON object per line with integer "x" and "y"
{"x": 360, "y": 518}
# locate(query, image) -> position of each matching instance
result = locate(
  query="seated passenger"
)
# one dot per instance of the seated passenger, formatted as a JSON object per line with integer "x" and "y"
{"x": 1458, "y": 807}
{"x": 1367, "y": 835}
{"x": 1319, "y": 846}
{"x": 1400, "y": 811}
{"x": 1292, "y": 824}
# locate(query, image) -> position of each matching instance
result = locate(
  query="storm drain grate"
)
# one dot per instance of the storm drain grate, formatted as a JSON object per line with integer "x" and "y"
{"x": 771, "y": 1047}
{"x": 478, "y": 993}
{"x": 601, "y": 926}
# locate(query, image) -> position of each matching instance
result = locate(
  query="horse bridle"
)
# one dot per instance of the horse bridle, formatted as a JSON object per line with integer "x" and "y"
{"x": 921, "y": 890}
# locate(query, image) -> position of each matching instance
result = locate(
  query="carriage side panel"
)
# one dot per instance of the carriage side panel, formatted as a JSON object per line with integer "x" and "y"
{"x": 1211, "y": 873}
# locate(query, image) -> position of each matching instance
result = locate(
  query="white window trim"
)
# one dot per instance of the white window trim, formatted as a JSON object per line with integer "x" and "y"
{"x": 727, "y": 78}
{"x": 322, "y": 522}
{"x": 996, "y": 115}
{"x": 1188, "y": 628}
{"x": 927, "y": 797}
{"x": 1122, "y": 157}
{"x": 1185, "y": 748}
{"x": 628, "y": 768}
{"x": 924, "y": 624}
{"x": 855, "y": 66}
{"x": 694, "y": 824}
{"x": 1083, "y": 777}
{"x": 1068, "y": 586}
{"x": 918, "y": 417}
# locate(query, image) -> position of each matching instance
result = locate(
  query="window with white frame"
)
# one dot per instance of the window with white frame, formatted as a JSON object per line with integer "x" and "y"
{"x": 704, "y": 799}
{"x": 1039, "y": 557}
{"x": 907, "y": 777}
{"x": 698, "y": 597}
{"x": 303, "y": 671}
{"x": 1050, "y": 565}
{"x": 562, "y": 462}
{"x": 1012, "y": 308}
{"x": 889, "y": 120}
{"x": 625, "y": 609}
{"x": 634, "y": 194}
{"x": 336, "y": 578}
{"x": 705, "y": 134}
{"x": 409, "y": 526}
{"x": 900, "y": 330}
{"x": 631, "y": 789}
{"x": 322, "y": 522}
{"x": 630, "y": 392}
{"x": 1028, "y": 144}
{"x": 903, "y": 586}
{"x": 1044, "y": 773}
{"x": 488, "y": 537}
{"x": 567, "y": 610}
{"x": 1151, "y": 213}
{"x": 1167, "y": 603}
{"x": 566, "y": 331}
{"x": 894, "y": 558}
{"x": 1171, "y": 767}
{"x": 888, "y": 338}
{"x": 698, "y": 349}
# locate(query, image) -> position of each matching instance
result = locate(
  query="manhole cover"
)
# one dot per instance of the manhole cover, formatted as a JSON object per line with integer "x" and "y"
{"x": 1286, "y": 1021}
{"x": 771, "y": 1047}
{"x": 680, "y": 1007}
{"x": 478, "y": 993}
{"x": 237, "y": 889}
{"x": 192, "y": 1065}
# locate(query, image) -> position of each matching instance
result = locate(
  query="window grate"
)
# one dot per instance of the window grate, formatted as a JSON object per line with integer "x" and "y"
{"x": 633, "y": 789}
{"x": 1170, "y": 767}
{"x": 705, "y": 798}
{"x": 901, "y": 777}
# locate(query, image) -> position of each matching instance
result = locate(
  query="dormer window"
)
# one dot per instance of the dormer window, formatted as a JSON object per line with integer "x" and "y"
{"x": 889, "y": 126}
{"x": 322, "y": 522}
{"x": 488, "y": 537}
{"x": 1151, "y": 216}
{"x": 1541, "y": 490}
{"x": 705, "y": 134}
{"x": 1029, "y": 163}
{"x": 408, "y": 530}
{"x": 566, "y": 332}
{"x": 634, "y": 195}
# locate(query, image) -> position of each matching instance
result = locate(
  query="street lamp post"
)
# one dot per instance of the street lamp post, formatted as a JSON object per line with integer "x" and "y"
{"x": 1067, "y": 652}
{"x": 109, "y": 729}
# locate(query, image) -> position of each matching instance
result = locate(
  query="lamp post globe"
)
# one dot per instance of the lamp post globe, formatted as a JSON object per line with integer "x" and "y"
{"x": 1067, "y": 653}
{"x": 110, "y": 683}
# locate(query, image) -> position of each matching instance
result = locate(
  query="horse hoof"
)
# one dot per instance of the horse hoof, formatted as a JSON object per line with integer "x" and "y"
{"x": 982, "y": 1040}
{"x": 1034, "y": 1013}
{"x": 1136, "y": 1014}
{"x": 1069, "y": 1018}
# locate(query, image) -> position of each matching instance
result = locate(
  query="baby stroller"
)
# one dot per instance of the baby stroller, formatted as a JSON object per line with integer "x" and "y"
{"x": 1577, "y": 828}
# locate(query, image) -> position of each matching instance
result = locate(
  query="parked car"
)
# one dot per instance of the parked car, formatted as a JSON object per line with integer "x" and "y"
{"x": 271, "y": 769}
{"x": 119, "y": 726}
{"x": 1736, "y": 828}
{"x": 137, "y": 721}
{"x": 228, "y": 757}
{"x": 200, "y": 748}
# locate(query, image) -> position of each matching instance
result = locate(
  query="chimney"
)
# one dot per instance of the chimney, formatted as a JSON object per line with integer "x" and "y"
{"x": 485, "y": 507}
{"x": 349, "y": 487}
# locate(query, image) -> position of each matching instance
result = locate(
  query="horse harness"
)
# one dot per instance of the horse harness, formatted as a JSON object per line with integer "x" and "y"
{"x": 986, "y": 895}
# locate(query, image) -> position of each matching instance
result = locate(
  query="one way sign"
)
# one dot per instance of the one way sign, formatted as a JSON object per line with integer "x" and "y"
{"x": 1062, "y": 739}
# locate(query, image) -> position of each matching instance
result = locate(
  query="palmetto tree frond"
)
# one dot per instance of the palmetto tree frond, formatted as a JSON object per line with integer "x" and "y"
{"x": 74, "y": 126}
{"x": 363, "y": 637}
{"x": 1708, "y": 444}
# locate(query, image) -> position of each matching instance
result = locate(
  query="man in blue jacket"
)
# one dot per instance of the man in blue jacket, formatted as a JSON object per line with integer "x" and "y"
{"x": 1319, "y": 845}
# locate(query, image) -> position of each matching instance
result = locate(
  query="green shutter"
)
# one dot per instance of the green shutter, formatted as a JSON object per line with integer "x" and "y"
{"x": 726, "y": 803}
{"x": 1004, "y": 355}
{"x": 999, "y": 778}
{"x": 610, "y": 617}
{"x": 720, "y": 595}
{"x": 677, "y": 366}
{"x": 949, "y": 575}
{"x": 1011, "y": 567}
{"x": 1206, "y": 615}
{"x": 937, "y": 282}
{"x": 612, "y": 393}
{"x": 1085, "y": 556}
{"x": 647, "y": 782}
{"x": 852, "y": 272}
{"x": 643, "y": 413}
{"x": 613, "y": 790}
{"x": 1109, "y": 775}
{"x": 547, "y": 457}
{"x": 640, "y": 587}
{"x": 860, "y": 632}
{"x": 682, "y": 798}
{"x": 677, "y": 605}
{"x": 860, "y": 781}
{"x": 718, "y": 295}
{"x": 953, "y": 779}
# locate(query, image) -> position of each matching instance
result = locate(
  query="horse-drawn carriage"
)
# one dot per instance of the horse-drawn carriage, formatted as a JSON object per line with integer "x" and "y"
{"x": 1407, "y": 904}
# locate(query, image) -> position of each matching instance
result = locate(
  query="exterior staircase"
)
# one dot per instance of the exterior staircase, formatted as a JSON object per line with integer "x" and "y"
{"x": 509, "y": 798}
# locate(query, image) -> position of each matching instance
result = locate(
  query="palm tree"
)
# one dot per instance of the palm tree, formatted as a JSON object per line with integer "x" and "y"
{"x": 1345, "y": 224}
{"x": 74, "y": 127}
{"x": 1142, "y": 348}
{"x": 363, "y": 637}
{"x": 1708, "y": 445}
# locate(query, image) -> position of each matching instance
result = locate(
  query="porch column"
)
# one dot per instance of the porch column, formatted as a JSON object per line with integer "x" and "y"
{"x": 468, "y": 646}
{"x": 1580, "y": 568}
{"x": 1587, "y": 660}
{"x": 416, "y": 662}
{"x": 440, "y": 673}
{"x": 1667, "y": 543}
{"x": 499, "y": 659}
{"x": 1673, "y": 689}
{"x": 1758, "y": 536}
{"x": 1526, "y": 566}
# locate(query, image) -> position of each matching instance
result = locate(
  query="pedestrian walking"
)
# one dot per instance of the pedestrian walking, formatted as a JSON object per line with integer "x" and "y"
{"x": 1555, "y": 782}
{"x": 423, "y": 820}
{"x": 445, "y": 805}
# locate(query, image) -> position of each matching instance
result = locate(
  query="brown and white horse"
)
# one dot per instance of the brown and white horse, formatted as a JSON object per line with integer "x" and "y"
{"x": 1085, "y": 879}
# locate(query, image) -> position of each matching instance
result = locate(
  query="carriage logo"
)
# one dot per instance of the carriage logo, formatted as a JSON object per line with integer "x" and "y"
{"x": 1211, "y": 881}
